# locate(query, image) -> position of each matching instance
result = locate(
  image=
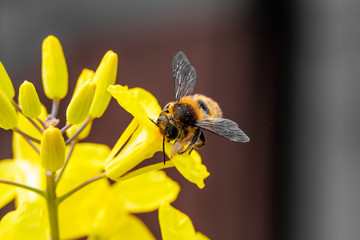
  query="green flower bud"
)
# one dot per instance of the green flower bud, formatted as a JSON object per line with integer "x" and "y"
{"x": 52, "y": 149}
{"x": 104, "y": 76}
{"x": 29, "y": 100}
{"x": 54, "y": 69}
{"x": 80, "y": 104}
{"x": 5, "y": 83}
{"x": 8, "y": 116}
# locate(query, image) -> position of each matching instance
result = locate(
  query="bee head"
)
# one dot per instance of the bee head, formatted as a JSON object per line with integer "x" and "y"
{"x": 167, "y": 127}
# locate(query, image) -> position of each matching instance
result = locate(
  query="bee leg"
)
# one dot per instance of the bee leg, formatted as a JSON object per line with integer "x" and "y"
{"x": 200, "y": 142}
{"x": 193, "y": 140}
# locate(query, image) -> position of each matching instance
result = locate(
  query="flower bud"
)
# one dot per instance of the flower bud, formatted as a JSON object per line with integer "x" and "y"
{"x": 29, "y": 100}
{"x": 84, "y": 133}
{"x": 85, "y": 75}
{"x": 54, "y": 69}
{"x": 5, "y": 83}
{"x": 52, "y": 149}
{"x": 80, "y": 104}
{"x": 104, "y": 76}
{"x": 8, "y": 116}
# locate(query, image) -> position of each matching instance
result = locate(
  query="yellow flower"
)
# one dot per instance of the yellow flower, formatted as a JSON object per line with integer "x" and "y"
{"x": 28, "y": 221}
{"x": 8, "y": 117}
{"x": 143, "y": 138}
{"x": 144, "y": 193}
{"x": 59, "y": 186}
{"x": 29, "y": 100}
{"x": 54, "y": 69}
{"x": 5, "y": 83}
{"x": 80, "y": 104}
{"x": 104, "y": 76}
{"x": 52, "y": 149}
{"x": 7, "y": 172}
{"x": 85, "y": 76}
{"x": 86, "y": 213}
{"x": 93, "y": 210}
{"x": 176, "y": 225}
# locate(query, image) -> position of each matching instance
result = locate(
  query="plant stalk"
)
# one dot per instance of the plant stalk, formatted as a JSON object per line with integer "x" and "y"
{"x": 52, "y": 205}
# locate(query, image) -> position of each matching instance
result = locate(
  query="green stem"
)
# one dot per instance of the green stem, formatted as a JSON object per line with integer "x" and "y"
{"x": 84, "y": 184}
{"x": 8, "y": 182}
{"x": 25, "y": 135}
{"x": 57, "y": 179}
{"x": 52, "y": 204}
{"x": 30, "y": 120}
{"x": 54, "y": 109}
{"x": 32, "y": 145}
{"x": 78, "y": 131}
{"x": 65, "y": 127}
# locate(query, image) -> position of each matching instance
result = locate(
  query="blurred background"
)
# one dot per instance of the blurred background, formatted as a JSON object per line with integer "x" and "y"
{"x": 285, "y": 71}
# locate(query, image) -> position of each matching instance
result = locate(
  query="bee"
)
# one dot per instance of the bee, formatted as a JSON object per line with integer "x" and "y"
{"x": 184, "y": 119}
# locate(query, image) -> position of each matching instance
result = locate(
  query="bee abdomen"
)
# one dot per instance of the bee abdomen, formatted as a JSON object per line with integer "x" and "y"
{"x": 209, "y": 107}
{"x": 203, "y": 106}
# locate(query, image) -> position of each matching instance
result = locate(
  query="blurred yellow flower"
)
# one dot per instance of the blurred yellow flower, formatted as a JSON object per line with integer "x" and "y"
{"x": 176, "y": 225}
{"x": 60, "y": 186}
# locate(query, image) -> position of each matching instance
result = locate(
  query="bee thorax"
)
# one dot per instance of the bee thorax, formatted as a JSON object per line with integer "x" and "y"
{"x": 185, "y": 113}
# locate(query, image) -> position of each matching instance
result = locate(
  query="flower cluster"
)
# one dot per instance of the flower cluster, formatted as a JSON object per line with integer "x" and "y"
{"x": 60, "y": 184}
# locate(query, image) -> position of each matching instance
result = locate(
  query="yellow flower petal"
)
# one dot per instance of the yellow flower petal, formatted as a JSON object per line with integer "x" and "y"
{"x": 176, "y": 225}
{"x": 146, "y": 192}
{"x": 21, "y": 148}
{"x": 114, "y": 223}
{"x": 147, "y": 101}
{"x": 29, "y": 100}
{"x": 7, "y": 172}
{"x": 104, "y": 76}
{"x": 191, "y": 168}
{"x": 28, "y": 221}
{"x": 54, "y": 70}
{"x": 32, "y": 174}
{"x": 137, "y": 101}
{"x": 5, "y": 83}
{"x": 8, "y": 116}
{"x": 143, "y": 144}
{"x": 78, "y": 212}
{"x": 109, "y": 218}
{"x": 132, "y": 228}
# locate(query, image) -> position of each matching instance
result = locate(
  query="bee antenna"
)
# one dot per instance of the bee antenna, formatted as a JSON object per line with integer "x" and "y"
{"x": 164, "y": 147}
{"x": 153, "y": 121}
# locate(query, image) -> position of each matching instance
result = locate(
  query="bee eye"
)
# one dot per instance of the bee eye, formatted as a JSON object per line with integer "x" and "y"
{"x": 172, "y": 132}
{"x": 203, "y": 106}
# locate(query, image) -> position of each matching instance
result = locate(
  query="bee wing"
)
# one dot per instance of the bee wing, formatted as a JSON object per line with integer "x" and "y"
{"x": 223, "y": 127}
{"x": 184, "y": 76}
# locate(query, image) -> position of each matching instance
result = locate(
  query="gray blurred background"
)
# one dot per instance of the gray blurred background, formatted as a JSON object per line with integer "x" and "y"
{"x": 285, "y": 71}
